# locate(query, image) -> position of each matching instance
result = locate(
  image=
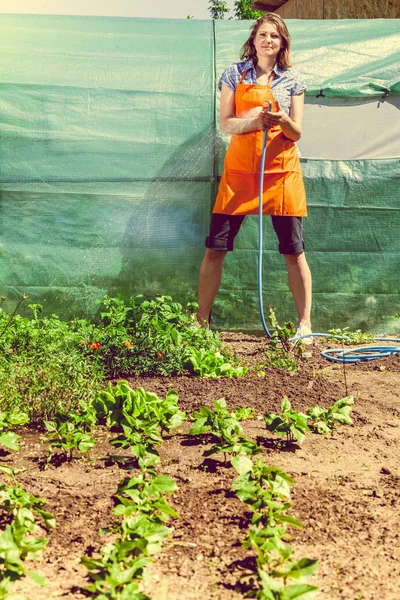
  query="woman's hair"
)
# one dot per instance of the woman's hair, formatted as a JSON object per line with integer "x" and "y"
{"x": 248, "y": 52}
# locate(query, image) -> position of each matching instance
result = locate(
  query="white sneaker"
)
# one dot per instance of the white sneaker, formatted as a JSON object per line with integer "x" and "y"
{"x": 304, "y": 330}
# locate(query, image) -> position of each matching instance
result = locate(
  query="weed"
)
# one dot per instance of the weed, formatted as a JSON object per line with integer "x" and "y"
{"x": 350, "y": 337}
{"x": 281, "y": 353}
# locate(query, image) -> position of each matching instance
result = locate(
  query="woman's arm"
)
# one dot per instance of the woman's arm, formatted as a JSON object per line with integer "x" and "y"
{"x": 291, "y": 124}
{"x": 229, "y": 123}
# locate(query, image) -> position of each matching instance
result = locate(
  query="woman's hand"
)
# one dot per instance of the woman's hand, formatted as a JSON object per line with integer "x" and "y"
{"x": 272, "y": 119}
{"x": 291, "y": 125}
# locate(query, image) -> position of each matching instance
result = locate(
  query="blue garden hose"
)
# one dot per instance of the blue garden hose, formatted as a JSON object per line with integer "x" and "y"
{"x": 362, "y": 354}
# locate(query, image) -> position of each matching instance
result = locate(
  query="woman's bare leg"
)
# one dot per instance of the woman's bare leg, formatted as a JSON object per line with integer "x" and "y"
{"x": 300, "y": 284}
{"x": 209, "y": 282}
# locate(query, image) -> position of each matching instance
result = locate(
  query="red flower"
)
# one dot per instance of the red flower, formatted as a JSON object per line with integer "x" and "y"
{"x": 95, "y": 345}
{"x": 159, "y": 354}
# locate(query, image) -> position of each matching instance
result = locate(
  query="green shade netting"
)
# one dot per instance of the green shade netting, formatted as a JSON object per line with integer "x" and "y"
{"x": 108, "y": 162}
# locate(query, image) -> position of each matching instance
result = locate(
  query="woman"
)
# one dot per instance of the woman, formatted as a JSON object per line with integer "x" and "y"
{"x": 262, "y": 79}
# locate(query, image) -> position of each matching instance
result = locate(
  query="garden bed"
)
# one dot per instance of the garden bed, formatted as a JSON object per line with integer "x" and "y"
{"x": 346, "y": 489}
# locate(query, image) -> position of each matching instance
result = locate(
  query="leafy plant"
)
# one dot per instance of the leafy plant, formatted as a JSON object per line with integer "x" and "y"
{"x": 141, "y": 415}
{"x": 8, "y": 420}
{"x": 290, "y": 423}
{"x": 325, "y": 419}
{"x": 266, "y": 490}
{"x": 139, "y": 495}
{"x": 223, "y": 425}
{"x": 43, "y": 368}
{"x": 149, "y": 336}
{"x": 121, "y": 404}
{"x": 271, "y": 589}
{"x": 281, "y": 353}
{"x": 19, "y": 512}
{"x": 67, "y": 436}
{"x": 212, "y": 364}
{"x": 116, "y": 572}
{"x": 120, "y": 567}
{"x": 242, "y": 414}
{"x": 350, "y": 337}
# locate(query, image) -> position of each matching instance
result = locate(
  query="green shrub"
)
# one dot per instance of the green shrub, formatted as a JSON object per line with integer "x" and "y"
{"x": 43, "y": 369}
{"x": 149, "y": 337}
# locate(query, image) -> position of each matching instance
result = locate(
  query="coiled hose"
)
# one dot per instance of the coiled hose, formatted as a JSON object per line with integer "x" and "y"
{"x": 352, "y": 355}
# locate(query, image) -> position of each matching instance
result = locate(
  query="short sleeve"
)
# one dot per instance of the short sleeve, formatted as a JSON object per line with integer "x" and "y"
{"x": 229, "y": 78}
{"x": 299, "y": 85}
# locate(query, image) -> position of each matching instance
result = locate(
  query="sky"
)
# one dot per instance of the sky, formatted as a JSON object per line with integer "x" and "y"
{"x": 156, "y": 9}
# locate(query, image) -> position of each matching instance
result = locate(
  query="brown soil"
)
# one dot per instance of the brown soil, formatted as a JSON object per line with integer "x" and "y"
{"x": 346, "y": 491}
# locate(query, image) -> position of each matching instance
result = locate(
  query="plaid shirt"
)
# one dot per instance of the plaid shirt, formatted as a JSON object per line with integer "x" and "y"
{"x": 285, "y": 84}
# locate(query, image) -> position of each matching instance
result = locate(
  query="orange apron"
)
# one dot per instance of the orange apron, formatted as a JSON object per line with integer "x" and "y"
{"x": 283, "y": 190}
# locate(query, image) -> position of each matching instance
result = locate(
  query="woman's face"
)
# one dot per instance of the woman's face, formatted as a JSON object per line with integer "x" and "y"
{"x": 267, "y": 41}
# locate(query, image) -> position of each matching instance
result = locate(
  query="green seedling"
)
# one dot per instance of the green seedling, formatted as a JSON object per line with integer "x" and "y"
{"x": 242, "y": 414}
{"x": 141, "y": 415}
{"x": 139, "y": 495}
{"x": 20, "y": 511}
{"x": 223, "y": 425}
{"x": 212, "y": 364}
{"x": 23, "y": 507}
{"x": 67, "y": 436}
{"x": 350, "y": 337}
{"x": 116, "y": 573}
{"x": 325, "y": 419}
{"x": 8, "y": 420}
{"x": 290, "y": 423}
{"x": 271, "y": 589}
{"x": 266, "y": 490}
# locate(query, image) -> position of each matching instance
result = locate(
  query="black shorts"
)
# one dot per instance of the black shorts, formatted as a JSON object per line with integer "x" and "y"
{"x": 224, "y": 229}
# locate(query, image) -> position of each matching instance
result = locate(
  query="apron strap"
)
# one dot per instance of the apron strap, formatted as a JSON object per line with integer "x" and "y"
{"x": 242, "y": 77}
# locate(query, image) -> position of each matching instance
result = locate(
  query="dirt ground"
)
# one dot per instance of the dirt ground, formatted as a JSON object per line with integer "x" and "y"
{"x": 346, "y": 491}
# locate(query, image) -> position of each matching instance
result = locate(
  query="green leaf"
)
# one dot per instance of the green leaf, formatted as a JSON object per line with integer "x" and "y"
{"x": 285, "y": 406}
{"x": 37, "y": 578}
{"x": 290, "y": 520}
{"x": 50, "y": 425}
{"x": 303, "y": 591}
{"x": 242, "y": 464}
{"x": 161, "y": 484}
{"x": 9, "y": 439}
{"x": 199, "y": 427}
{"x": 86, "y": 443}
{"x": 7, "y": 471}
{"x": 298, "y": 434}
{"x": 221, "y": 403}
